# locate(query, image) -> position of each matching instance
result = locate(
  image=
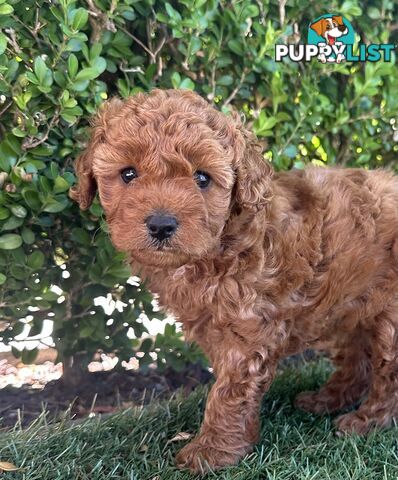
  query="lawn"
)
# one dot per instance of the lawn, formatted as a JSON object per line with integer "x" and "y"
{"x": 134, "y": 445}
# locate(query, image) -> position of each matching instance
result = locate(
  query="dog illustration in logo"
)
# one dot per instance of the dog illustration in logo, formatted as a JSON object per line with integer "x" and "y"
{"x": 330, "y": 29}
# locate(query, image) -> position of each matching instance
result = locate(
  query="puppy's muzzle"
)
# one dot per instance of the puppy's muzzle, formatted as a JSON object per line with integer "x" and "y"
{"x": 161, "y": 226}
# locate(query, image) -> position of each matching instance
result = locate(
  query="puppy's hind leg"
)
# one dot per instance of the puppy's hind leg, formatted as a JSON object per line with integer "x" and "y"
{"x": 381, "y": 405}
{"x": 348, "y": 384}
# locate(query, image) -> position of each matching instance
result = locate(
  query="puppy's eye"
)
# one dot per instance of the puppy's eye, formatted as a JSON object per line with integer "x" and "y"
{"x": 202, "y": 179}
{"x": 128, "y": 174}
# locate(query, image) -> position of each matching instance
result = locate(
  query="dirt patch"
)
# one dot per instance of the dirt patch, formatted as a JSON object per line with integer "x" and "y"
{"x": 27, "y": 390}
{"x": 102, "y": 392}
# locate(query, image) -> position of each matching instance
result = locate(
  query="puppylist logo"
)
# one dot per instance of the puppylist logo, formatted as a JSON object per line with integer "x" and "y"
{"x": 331, "y": 39}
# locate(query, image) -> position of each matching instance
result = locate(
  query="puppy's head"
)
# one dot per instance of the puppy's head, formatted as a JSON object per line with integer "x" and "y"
{"x": 330, "y": 28}
{"x": 170, "y": 170}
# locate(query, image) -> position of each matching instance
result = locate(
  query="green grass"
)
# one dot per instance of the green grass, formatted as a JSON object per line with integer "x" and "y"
{"x": 133, "y": 445}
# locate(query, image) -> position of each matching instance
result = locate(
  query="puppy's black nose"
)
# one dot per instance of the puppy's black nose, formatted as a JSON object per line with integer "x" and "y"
{"x": 161, "y": 226}
{"x": 342, "y": 28}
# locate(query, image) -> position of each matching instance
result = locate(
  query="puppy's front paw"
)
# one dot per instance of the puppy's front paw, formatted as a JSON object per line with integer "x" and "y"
{"x": 199, "y": 457}
{"x": 353, "y": 422}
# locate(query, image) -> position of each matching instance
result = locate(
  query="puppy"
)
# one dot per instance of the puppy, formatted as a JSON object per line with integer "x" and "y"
{"x": 330, "y": 28}
{"x": 256, "y": 265}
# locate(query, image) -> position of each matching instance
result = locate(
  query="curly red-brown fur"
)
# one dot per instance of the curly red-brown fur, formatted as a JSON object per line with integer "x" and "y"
{"x": 262, "y": 264}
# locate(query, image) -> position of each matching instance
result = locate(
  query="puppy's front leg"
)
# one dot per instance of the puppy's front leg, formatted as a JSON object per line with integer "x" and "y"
{"x": 231, "y": 423}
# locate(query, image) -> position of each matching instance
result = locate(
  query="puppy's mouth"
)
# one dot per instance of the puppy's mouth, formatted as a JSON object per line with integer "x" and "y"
{"x": 165, "y": 253}
{"x": 160, "y": 246}
{"x": 332, "y": 37}
{"x": 161, "y": 255}
{"x": 166, "y": 246}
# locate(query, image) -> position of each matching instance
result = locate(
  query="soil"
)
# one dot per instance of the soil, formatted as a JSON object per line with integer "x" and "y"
{"x": 103, "y": 392}
{"x": 27, "y": 390}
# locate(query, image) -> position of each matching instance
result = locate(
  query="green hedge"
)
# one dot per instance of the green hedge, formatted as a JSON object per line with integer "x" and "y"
{"x": 59, "y": 61}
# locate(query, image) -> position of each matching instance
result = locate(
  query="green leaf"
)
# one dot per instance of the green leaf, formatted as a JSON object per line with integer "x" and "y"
{"x": 18, "y": 132}
{"x": 32, "y": 78}
{"x": 18, "y": 255}
{"x": 169, "y": 330}
{"x": 73, "y": 65}
{"x": 22, "y": 99}
{"x": 6, "y": 9}
{"x": 12, "y": 223}
{"x": 20, "y": 273}
{"x": 32, "y": 199}
{"x": 236, "y": 46}
{"x": 225, "y": 80}
{"x": 81, "y": 236}
{"x": 96, "y": 210}
{"x": 3, "y": 42}
{"x": 176, "y": 80}
{"x": 195, "y": 45}
{"x": 50, "y": 296}
{"x": 99, "y": 64}
{"x": 16, "y": 352}
{"x": 162, "y": 18}
{"x": 54, "y": 171}
{"x": 146, "y": 345}
{"x": 290, "y": 151}
{"x": 53, "y": 206}
{"x": 264, "y": 124}
{"x": 87, "y": 74}
{"x": 80, "y": 17}
{"x": 120, "y": 271}
{"x": 36, "y": 260}
{"x": 29, "y": 356}
{"x": 45, "y": 184}
{"x": 80, "y": 86}
{"x": 19, "y": 211}
{"x": 45, "y": 221}
{"x": 28, "y": 236}
{"x": 86, "y": 331}
{"x": 43, "y": 304}
{"x": 187, "y": 84}
{"x": 350, "y": 8}
{"x": 40, "y": 69}
{"x": 95, "y": 50}
{"x": 35, "y": 165}
{"x": 4, "y": 213}
{"x": 77, "y": 111}
{"x": 172, "y": 13}
{"x": 57, "y": 14}
{"x": 18, "y": 328}
{"x": 43, "y": 151}
{"x": 74, "y": 45}
{"x": 10, "y": 241}
{"x": 61, "y": 185}
{"x": 3, "y": 279}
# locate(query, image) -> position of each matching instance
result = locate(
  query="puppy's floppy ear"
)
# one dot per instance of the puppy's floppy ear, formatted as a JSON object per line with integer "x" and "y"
{"x": 253, "y": 186}
{"x": 319, "y": 27}
{"x": 84, "y": 191}
{"x": 338, "y": 19}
